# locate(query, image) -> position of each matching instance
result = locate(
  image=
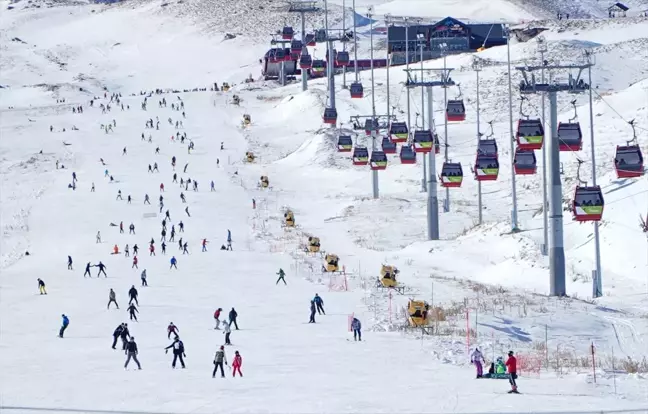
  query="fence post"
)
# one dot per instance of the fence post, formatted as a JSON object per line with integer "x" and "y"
{"x": 468, "y": 330}
{"x": 593, "y": 363}
{"x": 547, "y": 346}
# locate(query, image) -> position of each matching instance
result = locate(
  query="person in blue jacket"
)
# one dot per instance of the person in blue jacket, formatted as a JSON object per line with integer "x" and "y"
{"x": 319, "y": 303}
{"x": 174, "y": 263}
{"x": 356, "y": 326}
{"x": 66, "y": 322}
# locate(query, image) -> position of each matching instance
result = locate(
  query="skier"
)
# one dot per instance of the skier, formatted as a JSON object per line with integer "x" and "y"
{"x": 41, "y": 287}
{"x": 183, "y": 198}
{"x": 66, "y": 322}
{"x": 125, "y": 334}
{"x": 135, "y": 249}
{"x": 217, "y": 317}
{"x": 87, "y": 270}
{"x": 478, "y": 359}
{"x": 281, "y": 274}
{"x": 253, "y": 204}
{"x": 511, "y": 365}
{"x": 132, "y": 293}
{"x": 116, "y": 334}
{"x": 112, "y": 297}
{"x": 163, "y": 245}
{"x": 92, "y": 189}
{"x": 152, "y": 250}
{"x": 70, "y": 263}
{"x": 356, "y": 326}
{"x": 98, "y": 238}
{"x": 132, "y": 309}
{"x": 312, "y": 312}
{"x": 102, "y": 269}
{"x": 181, "y": 226}
{"x": 236, "y": 365}
{"x": 178, "y": 351}
{"x": 146, "y": 199}
{"x": 161, "y": 187}
{"x": 172, "y": 329}
{"x": 121, "y": 227}
{"x": 134, "y": 263}
{"x": 143, "y": 277}
{"x": 212, "y": 186}
{"x": 155, "y": 167}
{"x": 185, "y": 247}
{"x": 219, "y": 360}
{"x": 131, "y": 352}
{"x": 187, "y": 211}
{"x": 174, "y": 263}
{"x": 232, "y": 318}
{"x": 131, "y": 229}
{"x": 124, "y": 151}
{"x": 204, "y": 245}
{"x": 129, "y": 199}
{"x": 119, "y": 195}
{"x": 320, "y": 304}
{"x": 227, "y": 331}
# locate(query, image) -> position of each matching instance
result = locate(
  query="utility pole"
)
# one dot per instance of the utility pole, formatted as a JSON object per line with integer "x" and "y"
{"x": 597, "y": 289}
{"x": 374, "y": 173}
{"x": 282, "y": 66}
{"x": 344, "y": 85}
{"x": 477, "y": 68}
{"x": 514, "y": 212}
{"x": 574, "y": 85}
{"x": 377, "y": 122}
{"x": 330, "y": 62}
{"x": 421, "y": 41}
{"x": 432, "y": 200}
{"x": 542, "y": 48}
{"x": 355, "y": 44}
{"x": 303, "y": 7}
{"x": 388, "y": 63}
{"x": 446, "y": 203}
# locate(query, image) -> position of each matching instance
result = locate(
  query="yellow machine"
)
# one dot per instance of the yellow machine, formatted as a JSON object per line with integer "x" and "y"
{"x": 264, "y": 181}
{"x": 289, "y": 219}
{"x": 225, "y": 87}
{"x": 418, "y": 312}
{"x": 246, "y": 119}
{"x": 249, "y": 156}
{"x": 388, "y": 276}
{"x": 313, "y": 244}
{"x": 331, "y": 261}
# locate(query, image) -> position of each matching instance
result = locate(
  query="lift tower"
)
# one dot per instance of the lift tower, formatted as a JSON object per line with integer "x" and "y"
{"x": 303, "y": 7}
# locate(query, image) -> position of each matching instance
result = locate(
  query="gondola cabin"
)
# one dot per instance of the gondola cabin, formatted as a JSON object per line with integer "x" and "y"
{"x": 456, "y": 111}
{"x": 296, "y": 47}
{"x": 264, "y": 182}
{"x": 330, "y": 116}
{"x": 249, "y": 157}
{"x": 360, "y": 156}
{"x": 278, "y": 56}
{"x": 451, "y": 175}
{"x": 388, "y": 276}
{"x": 628, "y": 161}
{"x": 287, "y": 33}
{"x": 345, "y": 143}
{"x": 486, "y": 168}
{"x": 331, "y": 263}
{"x": 378, "y": 160}
{"x": 370, "y": 125}
{"x": 398, "y": 132}
{"x": 318, "y": 67}
{"x": 524, "y": 162}
{"x": 310, "y": 40}
{"x": 570, "y": 136}
{"x": 388, "y": 146}
{"x": 423, "y": 141}
{"x": 530, "y": 134}
{"x": 588, "y": 204}
{"x": 342, "y": 58}
{"x": 487, "y": 147}
{"x": 313, "y": 244}
{"x": 417, "y": 311}
{"x": 356, "y": 89}
{"x": 407, "y": 155}
{"x": 305, "y": 61}
{"x": 289, "y": 219}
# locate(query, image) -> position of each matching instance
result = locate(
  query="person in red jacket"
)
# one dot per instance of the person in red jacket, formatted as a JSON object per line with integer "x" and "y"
{"x": 217, "y": 317}
{"x": 236, "y": 365}
{"x": 134, "y": 263}
{"x": 172, "y": 329}
{"x": 511, "y": 366}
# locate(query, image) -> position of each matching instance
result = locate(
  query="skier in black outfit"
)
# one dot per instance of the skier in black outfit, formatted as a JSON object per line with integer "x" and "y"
{"x": 232, "y": 318}
{"x": 319, "y": 303}
{"x": 116, "y": 334}
{"x": 132, "y": 293}
{"x": 70, "y": 263}
{"x": 135, "y": 249}
{"x": 102, "y": 269}
{"x": 178, "y": 351}
{"x": 125, "y": 334}
{"x": 312, "y": 310}
{"x": 131, "y": 352}
{"x": 87, "y": 270}
{"x": 132, "y": 310}
{"x": 163, "y": 245}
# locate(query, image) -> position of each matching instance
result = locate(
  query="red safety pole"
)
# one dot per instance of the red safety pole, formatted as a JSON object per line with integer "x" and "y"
{"x": 593, "y": 363}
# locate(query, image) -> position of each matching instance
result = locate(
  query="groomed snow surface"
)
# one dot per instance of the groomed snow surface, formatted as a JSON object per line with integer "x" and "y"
{"x": 499, "y": 278}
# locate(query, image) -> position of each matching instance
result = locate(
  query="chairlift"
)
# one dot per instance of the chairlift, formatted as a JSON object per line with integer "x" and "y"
{"x": 487, "y": 147}
{"x": 356, "y": 89}
{"x": 486, "y": 167}
{"x": 530, "y": 134}
{"x": 330, "y": 116}
{"x": 570, "y": 136}
{"x": 407, "y": 155}
{"x": 305, "y": 61}
{"x": 388, "y": 146}
{"x": 318, "y": 66}
{"x": 279, "y": 55}
{"x": 423, "y": 141}
{"x": 588, "y": 203}
{"x": 287, "y": 33}
{"x": 524, "y": 162}
{"x": 628, "y": 160}
{"x": 456, "y": 111}
{"x": 370, "y": 125}
{"x": 345, "y": 143}
{"x": 310, "y": 40}
{"x": 296, "y": 46}
{"x": 451, "y": 175}
{"x": 342, "y": 58}
{"x": 378, "y": 160}
{"x": 398, "y": 132}
{"x": 360, "y": 156}
{"x": 320, "y": 36}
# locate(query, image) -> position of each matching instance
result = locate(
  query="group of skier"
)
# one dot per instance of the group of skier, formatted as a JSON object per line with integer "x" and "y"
{"x": 502, "y": 369}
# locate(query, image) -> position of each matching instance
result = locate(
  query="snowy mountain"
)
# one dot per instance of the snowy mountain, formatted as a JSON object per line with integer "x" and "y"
{"x": 486, "y": 286}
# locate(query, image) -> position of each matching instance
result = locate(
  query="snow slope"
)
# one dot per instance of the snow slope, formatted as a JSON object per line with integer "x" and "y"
{"x": 314, "y": 367}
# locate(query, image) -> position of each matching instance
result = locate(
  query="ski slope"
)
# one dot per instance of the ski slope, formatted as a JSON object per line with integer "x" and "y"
{"x": 288, "y": 364}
